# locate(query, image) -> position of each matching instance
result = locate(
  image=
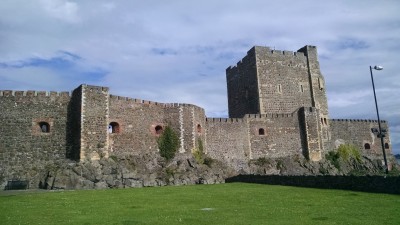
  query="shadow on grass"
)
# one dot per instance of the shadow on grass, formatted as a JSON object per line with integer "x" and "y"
{"x": 372, "y": 184}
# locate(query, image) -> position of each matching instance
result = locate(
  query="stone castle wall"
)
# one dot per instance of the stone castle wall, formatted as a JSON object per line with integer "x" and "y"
{"x": 23, "y": 145}
{"x": 139, "y": 121}
{"x": 237, "y": 140}
{"x": 277, "y": 104}
{"x": 274, "y": 135}
{"x": 227, "y": 140}
{"x": 94, "y": 122}
{"x": 358, "y": 132}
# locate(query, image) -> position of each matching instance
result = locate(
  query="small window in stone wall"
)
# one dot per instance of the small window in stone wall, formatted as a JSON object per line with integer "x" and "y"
{"x": 261, "y": 131}
{"x": 367, "y": 146}
{"x": 386, "y": 146}
{"x": 158, "y": 129}
{"x": 113, "y": 128}
{"x": 301, "y": 88}
{"x": 44, "y": 127}
{"x": 325, "y": 121}
{"x": 198, "y": 128}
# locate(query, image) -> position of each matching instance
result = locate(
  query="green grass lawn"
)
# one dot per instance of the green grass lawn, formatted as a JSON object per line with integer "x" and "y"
{"x": 234, "y": 203}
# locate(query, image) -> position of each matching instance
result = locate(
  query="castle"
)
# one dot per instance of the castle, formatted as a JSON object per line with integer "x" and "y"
{"x": 277, "y": 108}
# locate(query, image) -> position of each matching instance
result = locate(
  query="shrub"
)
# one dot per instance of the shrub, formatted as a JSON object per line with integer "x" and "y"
{"x": 114, "y": 158}
{"x": 208, "y": 161}
{"x": 333, "y": 157}
{"x": 348, "y": 151}
{"x": 345, "y": 152}
{"x": 279, "y": 164}
{"x": 198, "y": 153}
{"x": 168, "y": 143}
{"x": 198, "y": 156}
{"x": 262, "y": 161}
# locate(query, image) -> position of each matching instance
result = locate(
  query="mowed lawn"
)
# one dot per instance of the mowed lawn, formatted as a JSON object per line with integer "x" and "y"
{"x": 234, "y": 203}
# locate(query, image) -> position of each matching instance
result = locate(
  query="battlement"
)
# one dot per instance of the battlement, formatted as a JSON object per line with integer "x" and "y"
{"x": 267, "y": 51}
{"x": 30, "y": 93}
{"x": 146, "y": 102}
{"x": 135, "y": 100}
{"x": 357, "y": 120}
{"x": 225, "y": 120}
{"x": 95, "y": 88}
{"x": 271, "y": 115}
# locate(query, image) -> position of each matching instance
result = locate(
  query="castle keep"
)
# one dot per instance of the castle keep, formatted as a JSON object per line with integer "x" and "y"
{"x": 277, "y": 108}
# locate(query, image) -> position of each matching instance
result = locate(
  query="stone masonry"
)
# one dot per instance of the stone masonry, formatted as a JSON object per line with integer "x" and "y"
{"x": 277, "y": 108}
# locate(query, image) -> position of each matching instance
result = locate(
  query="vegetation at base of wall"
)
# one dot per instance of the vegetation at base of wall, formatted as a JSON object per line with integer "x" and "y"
{"x": 53, "y": 167}
{"x": 262, "y": 161}
{"x": 333, "y": 157}
{"x": 348, "y": 151}
{"x": 279, "y": 164}
{"x": 198, "y": 152}
{"x": 170, "y": 172}
{"x": 114, "y": 158}
{"x": 199, "y": 155}
{"x": 395, "y": 172}
{"x": 234, "y": 203}
{"x": 345, "y": 152}
{"x": 208, "y": 161}
{"x": 168, "y": 143}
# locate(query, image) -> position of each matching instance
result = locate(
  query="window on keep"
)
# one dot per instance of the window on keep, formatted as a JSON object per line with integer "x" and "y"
{"x": 44, "y": 127}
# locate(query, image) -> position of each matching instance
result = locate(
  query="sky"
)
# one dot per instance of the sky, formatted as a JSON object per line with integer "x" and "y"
{"x": 178, "y": 50}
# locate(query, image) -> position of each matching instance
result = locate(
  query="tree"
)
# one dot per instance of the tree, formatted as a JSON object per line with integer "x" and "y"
{"x": 168, "y": 143}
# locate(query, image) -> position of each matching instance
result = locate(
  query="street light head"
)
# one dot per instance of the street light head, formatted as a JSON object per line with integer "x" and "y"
{"x": 378, "y": 67}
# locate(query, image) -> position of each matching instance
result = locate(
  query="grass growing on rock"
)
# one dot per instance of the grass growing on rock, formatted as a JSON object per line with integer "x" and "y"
{"x": 234, "y": 203}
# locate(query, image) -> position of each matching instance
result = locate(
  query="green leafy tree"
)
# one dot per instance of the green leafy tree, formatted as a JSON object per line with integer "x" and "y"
{"x": 168, "y": 143}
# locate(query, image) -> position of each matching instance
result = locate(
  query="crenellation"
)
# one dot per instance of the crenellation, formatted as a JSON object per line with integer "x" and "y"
{"x": 31, "y": 93}
{"x": 42, "y": 93}
{"x": 19, "y": 93}
{"x": 289, "y": 53}
{"x": 224, "y": 120}
{"x": 300, "y": 54}
{"x": 8, "y": 93}
{"x": 357, "y": 120}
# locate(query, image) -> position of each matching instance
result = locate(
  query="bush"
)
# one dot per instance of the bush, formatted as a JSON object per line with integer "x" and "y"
{"x": 348, "y": 151}
{"x": 114, "y": 158}
{"x": 198, "y": 153}
{"x": 262, "y": 161}
{"x": 345, "y": 152}
{"x": 208, "y": 161}
{"x": 333, "y": 157}
{"x": 168, "y": 143}
{"x": 198, "y": 156}
{"x": 279, "y": 164}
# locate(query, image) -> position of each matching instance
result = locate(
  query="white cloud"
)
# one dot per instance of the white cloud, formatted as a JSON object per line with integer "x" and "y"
{"x": 61, "y": 9}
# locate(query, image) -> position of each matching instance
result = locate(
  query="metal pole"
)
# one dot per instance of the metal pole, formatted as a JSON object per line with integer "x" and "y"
{"x": 380, "y": 134}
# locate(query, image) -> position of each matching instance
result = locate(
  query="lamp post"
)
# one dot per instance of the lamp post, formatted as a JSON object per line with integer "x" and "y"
{"x": 381, "y": 133}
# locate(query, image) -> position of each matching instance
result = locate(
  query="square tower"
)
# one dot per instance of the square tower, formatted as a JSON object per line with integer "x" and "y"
{"x": 270, "y": 81}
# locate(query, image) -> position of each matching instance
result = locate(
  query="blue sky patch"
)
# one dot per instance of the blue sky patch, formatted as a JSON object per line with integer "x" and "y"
{"x": 163, "y": 51}
{"x": 351, "y": 43}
